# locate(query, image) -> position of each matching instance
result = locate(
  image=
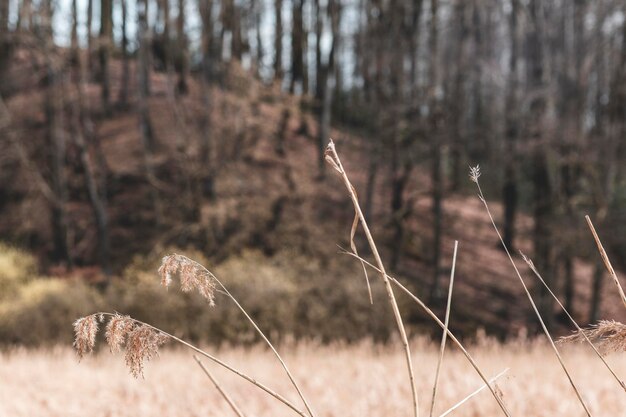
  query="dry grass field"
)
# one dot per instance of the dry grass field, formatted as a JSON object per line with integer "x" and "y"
{"x": 363, "y": 380}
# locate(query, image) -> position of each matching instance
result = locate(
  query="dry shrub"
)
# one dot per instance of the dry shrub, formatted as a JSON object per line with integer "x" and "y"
{"x": 41, "y": 309}
{"x": 17, "y": 268}
{"x": 288, "y": 294}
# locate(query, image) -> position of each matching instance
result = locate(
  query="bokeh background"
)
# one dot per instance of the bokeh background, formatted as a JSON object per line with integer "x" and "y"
{"x": 133, "y": 129}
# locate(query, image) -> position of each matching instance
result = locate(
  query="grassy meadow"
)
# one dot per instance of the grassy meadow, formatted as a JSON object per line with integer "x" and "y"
{"x": 339, "y": 380}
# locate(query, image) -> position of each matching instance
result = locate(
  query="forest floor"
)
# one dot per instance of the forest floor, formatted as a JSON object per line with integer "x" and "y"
{"x": 355, "y": 380}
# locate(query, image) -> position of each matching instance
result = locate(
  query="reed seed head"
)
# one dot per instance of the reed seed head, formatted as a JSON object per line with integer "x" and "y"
{"x": 117, "y": 331}
{"x": 475, "y": 173}
{"x": 142, "y": 345}
{"x": 85, "y": 330}
{"x": 607, "y": 335}
{"x": 192, "y": 276}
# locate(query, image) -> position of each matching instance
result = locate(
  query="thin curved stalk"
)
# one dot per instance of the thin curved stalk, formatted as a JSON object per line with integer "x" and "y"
{"x": 475, "y": 173}
{"x": 333, "y": 158}
{"x": 219, "y": 362}
{"x": 441, "y": 324}
{"x": 444, "y": 336}
{"x": 607, "y": 262}
{"x": 219, "y": 388}
{"x": 265, "y": 339}
{"x": 466, "y": 399}
{"x": 531, "y": 265}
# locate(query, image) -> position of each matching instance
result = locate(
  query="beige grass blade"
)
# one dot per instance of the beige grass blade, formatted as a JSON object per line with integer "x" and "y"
{"x": 474, "y": 175}
{"x": 469, "y": 397}
{"x": 451, "y": 335}
{"x": 219, "y": 388}
{"x": 606, "y": 260}
{"x": 333, "y": 158}
{"x": 583, "y": 334}
{"x": 444, "y": 337}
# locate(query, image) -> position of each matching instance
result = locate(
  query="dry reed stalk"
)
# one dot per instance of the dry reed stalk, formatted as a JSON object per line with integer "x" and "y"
{"x": 451, "y": 335}
{"x": 610, "y": 336}
{"x": 444, "y": 336}
{"x": 580, "y": 331}
{"x": 194, "y": 275}
{"x": 333, "y": 159}
{"x": 607, "y": 262}
{"x": 466, "y": 399}
{"x": 144, "y": 345}
{"x": 474, "y": 175}
{"x": 219, "y": 388}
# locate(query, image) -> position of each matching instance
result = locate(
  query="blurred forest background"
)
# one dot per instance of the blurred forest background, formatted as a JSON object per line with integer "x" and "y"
{"x": 133, "y": 128}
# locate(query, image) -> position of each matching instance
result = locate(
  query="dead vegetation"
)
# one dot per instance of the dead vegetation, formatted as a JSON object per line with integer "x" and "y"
{"x": 142, "y": 340}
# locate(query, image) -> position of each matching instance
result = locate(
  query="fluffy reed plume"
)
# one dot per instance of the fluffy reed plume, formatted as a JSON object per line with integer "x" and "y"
{"x": 142, "y": 345}
{"x": 140, "y": 340}
{"x": 117, "y": 330}
{"x": 85, "y": 330}
{"x": 607, "y": 335}
{"x": 192, "y": 276}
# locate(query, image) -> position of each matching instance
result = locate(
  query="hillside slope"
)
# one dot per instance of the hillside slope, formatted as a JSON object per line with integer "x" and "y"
{"x": 267, "y": 193}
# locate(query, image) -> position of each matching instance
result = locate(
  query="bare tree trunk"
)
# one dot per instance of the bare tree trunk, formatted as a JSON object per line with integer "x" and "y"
{"x": 89, "y": 28}
{"x": 542, "y": 188}
{"x": 145, "y": 124}
{"x": 123, "y": 97}
{"x": 74, "y": 51}
{"x": 509, "y": 189}
{"x": 207, "y": 41}
{"x": 596, "y": 292}
{"x": 297, "y": 46}
{"x": 205, "y": 186}
{"x": 4, "y": 17}
{"x": 370, "y": 186}
{"x": 278, "y": 41}
{"x": 237, "y": 40}
{"x": 56, "y": 141}
{"x": 25, "y": 16}
{"x": 106, "y": 41}
{"x": 258, "y": 10}
{"x": 83, "y": 138}
{"x": 457, "y": 102}
{"x": 319, "y": 90}
{"x": 334, "y": 10}
{"x": 437, "y": 178}
{"x": 183, "y": 49}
